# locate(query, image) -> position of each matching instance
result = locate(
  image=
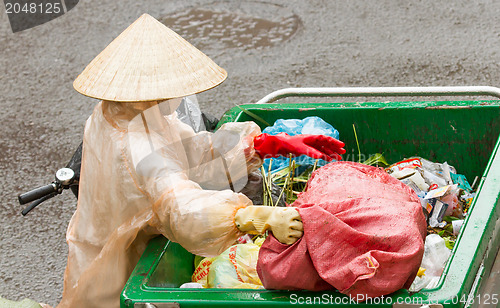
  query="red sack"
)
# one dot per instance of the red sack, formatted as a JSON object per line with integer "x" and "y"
{"x": 364, "y": 235}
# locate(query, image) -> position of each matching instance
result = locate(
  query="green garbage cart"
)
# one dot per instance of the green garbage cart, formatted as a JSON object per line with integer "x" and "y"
{"x": 463, "y": 133}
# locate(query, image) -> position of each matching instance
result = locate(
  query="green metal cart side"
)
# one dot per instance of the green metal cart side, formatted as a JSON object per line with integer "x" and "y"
{"x": 463, "y": 133}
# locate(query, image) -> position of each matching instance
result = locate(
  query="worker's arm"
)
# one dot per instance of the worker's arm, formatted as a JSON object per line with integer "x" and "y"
{"x": 206, "y": 222}
{"x": 202, "y": 221}
{"x": 221, "y": 160}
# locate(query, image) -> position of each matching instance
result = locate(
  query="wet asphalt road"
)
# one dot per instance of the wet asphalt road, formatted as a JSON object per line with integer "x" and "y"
{"x": 335, "y": 43}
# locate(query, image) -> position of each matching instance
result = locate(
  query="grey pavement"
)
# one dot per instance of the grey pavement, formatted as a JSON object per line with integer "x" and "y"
{"x": 314, "y": 43}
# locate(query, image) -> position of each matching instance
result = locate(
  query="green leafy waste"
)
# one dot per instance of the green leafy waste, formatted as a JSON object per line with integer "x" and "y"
{"x": 376, "y": 159}
{"x": 291, "y": 184}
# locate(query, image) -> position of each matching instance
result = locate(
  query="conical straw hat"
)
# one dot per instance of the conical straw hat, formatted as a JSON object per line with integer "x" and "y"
{"x": 148, "y": 62}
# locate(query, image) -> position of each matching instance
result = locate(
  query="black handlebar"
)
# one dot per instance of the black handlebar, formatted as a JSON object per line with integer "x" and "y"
{"x": 38, "y": 193}
{"x": 37, "y": 202}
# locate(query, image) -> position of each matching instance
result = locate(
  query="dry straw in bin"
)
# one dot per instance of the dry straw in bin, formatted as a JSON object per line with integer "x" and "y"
{"x": 148, "y": 62}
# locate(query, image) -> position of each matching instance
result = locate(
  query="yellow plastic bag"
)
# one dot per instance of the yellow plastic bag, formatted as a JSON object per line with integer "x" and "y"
{"x": 235, "y": 268}
{"x": 25, "y": 303}
{"x": 201, "y": 272}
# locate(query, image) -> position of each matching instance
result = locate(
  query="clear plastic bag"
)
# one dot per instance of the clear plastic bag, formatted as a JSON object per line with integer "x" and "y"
{"x": 189, "y": 112}
{"x": 436, "y": 255}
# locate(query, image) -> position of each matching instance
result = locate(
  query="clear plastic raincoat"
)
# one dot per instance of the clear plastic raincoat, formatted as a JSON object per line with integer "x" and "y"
{"x": 145, "y": 173}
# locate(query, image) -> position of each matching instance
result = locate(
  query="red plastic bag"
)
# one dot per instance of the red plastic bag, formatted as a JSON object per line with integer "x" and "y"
{"x": 364, "y": 235}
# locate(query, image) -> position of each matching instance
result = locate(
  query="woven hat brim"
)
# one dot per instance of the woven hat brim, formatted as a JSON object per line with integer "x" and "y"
{"x": 148, "y": 62}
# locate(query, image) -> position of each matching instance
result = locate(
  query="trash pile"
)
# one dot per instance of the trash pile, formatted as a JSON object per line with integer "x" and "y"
{"x": 444, "y": 194}
{"x": 446, "y": 197}
{"x": 440, "y": 189}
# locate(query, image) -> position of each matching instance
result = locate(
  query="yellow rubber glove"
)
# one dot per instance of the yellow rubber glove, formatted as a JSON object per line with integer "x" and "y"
{"x": 284, "y": 222}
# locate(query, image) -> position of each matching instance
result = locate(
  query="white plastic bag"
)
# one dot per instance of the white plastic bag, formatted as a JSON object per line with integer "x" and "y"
{"x": 436, "y": 254}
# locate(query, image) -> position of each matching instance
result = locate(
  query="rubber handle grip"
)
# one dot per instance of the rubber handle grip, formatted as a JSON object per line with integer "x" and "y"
{"x": 37, "y": 193}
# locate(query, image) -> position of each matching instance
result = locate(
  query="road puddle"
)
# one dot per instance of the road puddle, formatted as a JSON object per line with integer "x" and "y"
{"x": 229, "y": 25}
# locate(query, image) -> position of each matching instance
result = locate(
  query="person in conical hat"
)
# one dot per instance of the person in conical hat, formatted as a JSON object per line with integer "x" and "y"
{"x": 145, "y": 173}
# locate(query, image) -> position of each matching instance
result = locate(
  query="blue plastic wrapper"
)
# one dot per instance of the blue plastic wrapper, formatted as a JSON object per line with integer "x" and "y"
{"x": 461, "y": 181}
{"x": 309, "y": 125}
